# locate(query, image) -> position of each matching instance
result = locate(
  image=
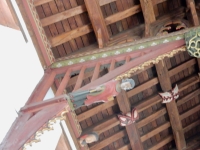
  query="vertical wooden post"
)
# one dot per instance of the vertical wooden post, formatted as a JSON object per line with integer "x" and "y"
{"x": 98, "y": 23}
{"x": 148, "y": 13}
{"x": 163, "y": 76}
{"x": 132, "y": 131}
{"x": 191, "y": 5}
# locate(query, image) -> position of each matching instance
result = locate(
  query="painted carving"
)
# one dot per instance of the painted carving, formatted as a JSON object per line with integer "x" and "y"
{"x": 170, "y": 96}
{"x": 172, "y": 26}
{"x": 102, "y": 93}
{"x": 88, "y": 138}
{"x": 142, "y": 66}
{"x": 128, "y": 118}
{"x": 192, "y": 40}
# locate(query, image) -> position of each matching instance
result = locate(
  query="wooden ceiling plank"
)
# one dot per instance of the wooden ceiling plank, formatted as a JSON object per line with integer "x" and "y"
{"x": 63, "y": 83}
{"x": 155, "y": 131}
{"x": 140, "y": 88}
{"x": 97, "y": 20}
{"x": 112, "y": 65}
{"x": 67, "y": 36}
{"x": 191, "y": 126}
{"x": 152, "y": 117}
{"x": 190, "y": 112}
{"x": 188, "y": 97}
{"x": 191, "y": 5}
{"x": 96, "y": 110}
{"x": 162, "y": 143}
{"x": 40, "y": 2}
{"x": 148, "y": 13}
{"x": 125, "y": 147}
{"x": 122, "y": 15}
{"x": 104, "y": 2}
{"x": 80, "y": 78}
{"x": 132, "y": 131}
{"x": 103, "y": 126}
{"x": 109, "y": 140}
{"x": 175, "y": 120}
{"x": 63, "y": 15}
{"x": 182, "y": 67}
{"x": 155, "y": 2}
{"x": 96, "y": 72}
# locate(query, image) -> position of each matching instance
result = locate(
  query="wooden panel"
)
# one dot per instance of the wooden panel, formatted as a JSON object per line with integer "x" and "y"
{"x": 121, "y": 15}
{"x": 65, "y": 37}
{"x": 191, "y": 5}
{"x": 109, "y": 140}
{"x": 155, "y": 2}
{"x": 63, "y": 15}
{"x": 165, "y": 83}
{"x": 96, "y": 19}
{"x": 6, "y": 18}
{"x": 40, "y": 2}
{"x": 162, "y": 143}
{"x": 190, "y": 112}
{"x": 155, "y": 131}
{"x": 132, "y": 131}
{"x": 104, "y": 2}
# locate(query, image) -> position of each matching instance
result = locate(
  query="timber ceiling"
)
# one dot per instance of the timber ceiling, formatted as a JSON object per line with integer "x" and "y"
{"x": 154, "y": 126}
{"x": 77, "y": 26}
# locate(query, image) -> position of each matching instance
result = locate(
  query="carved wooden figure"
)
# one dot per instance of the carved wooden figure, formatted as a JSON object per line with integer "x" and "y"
{"x": 128, "y": 118}
{"x": 102, "y": 93}
{"x": 170, "y": 96}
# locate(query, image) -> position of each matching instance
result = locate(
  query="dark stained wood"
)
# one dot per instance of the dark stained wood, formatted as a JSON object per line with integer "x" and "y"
{"x": 65, "y": 37}
{"x": 162, "y": 143}
{"x": 40, "y": 2}
{"x": 131, "y": 129}
{"x": 191, "y": 5}
{"x": 165, "y": 83}
{"x": 148, "y": 13}
{"x": 121, "y": 15}
{"x": 63, "y": 15}
{"x": 96, "y": 18}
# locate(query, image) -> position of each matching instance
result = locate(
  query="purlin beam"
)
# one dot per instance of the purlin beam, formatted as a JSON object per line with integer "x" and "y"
{"x": 132, "y": 131}
{"x": 164, "y": 78}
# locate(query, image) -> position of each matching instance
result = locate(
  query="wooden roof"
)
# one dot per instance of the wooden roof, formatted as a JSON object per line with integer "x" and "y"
{"x": 84, "y": 43}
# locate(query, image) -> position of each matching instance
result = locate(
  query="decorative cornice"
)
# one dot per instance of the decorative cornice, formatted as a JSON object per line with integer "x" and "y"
{"x": 147, "y": 63}
{"x": 41, "y": 31}
{"x": 116, "y": 50}
{"x": 49, "y": 126}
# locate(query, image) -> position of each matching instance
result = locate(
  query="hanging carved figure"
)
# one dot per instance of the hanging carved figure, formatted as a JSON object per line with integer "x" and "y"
{"x": 192, "y": 40}
{"x": 171, "y": 95}
{"x": 128, "y": 118}
{"x": 88, "y": 138}
{"x": 102, "y": 93}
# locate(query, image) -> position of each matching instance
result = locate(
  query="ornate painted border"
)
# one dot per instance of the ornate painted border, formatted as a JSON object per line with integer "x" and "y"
{"x": 117, "y": 51}
{"x": 48, "y": 127}
{"x": 41, "y": 31}
{"x": 152, "y": 61}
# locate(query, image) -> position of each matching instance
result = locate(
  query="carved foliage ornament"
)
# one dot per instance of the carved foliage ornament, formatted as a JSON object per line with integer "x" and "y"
{"x": 171, "y": 95}
{"x": 192, "y": 39}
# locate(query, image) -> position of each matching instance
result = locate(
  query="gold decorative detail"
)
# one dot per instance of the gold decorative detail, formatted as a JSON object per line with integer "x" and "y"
{"x": 192, "y": 42}
{"x": 41, "y": 31}
{"x": 147, "y": 63}
{"x": 48, "y": 127}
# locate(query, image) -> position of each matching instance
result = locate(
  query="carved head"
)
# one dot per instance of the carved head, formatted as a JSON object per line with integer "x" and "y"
{"x": 88, "y": 138}
{"x": 127, "y": 84}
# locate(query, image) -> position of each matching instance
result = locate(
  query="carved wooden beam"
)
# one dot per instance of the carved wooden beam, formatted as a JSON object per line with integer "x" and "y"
{"x": 148, "y": 13}
{"x": 191, "y": 5}
{"x": 131, "y": 129}
{"x": 164, "y": 78}
{"x": 97, "y": 20}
